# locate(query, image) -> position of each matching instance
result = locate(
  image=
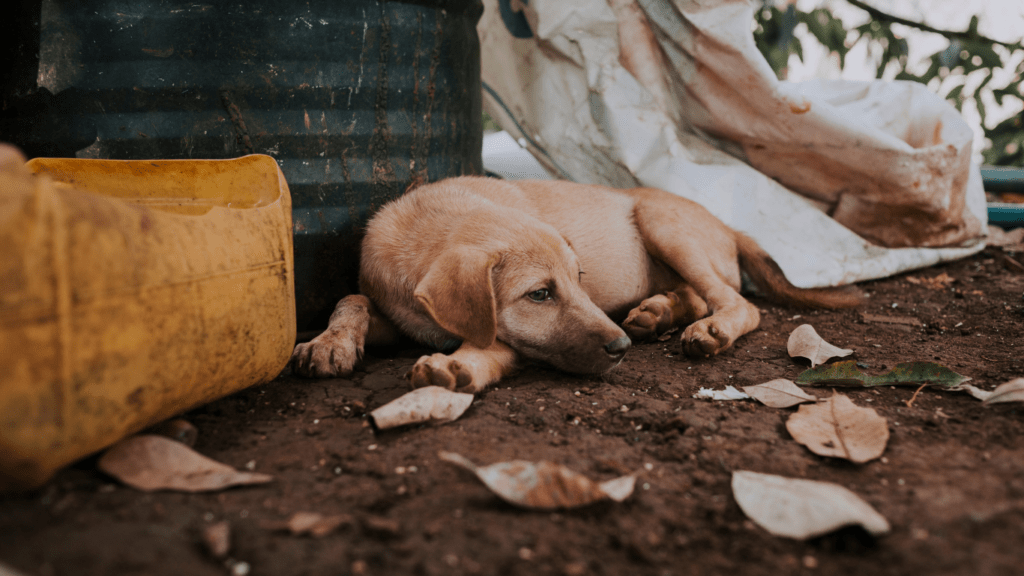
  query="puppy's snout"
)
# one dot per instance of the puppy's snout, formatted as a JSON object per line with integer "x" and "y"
{"x": 618, "y": 346}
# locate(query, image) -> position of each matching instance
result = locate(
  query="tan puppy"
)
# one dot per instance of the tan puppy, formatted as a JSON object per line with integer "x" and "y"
{"x": 491, "y": 272}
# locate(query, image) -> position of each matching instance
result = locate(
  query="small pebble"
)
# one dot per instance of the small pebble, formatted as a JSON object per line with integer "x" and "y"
{"x": 217, "y": 539}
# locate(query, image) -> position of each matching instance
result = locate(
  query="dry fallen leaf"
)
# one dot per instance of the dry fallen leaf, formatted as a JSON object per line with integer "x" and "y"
{"x": 729, "y": 393}
{"x": 779, "y": 393}
{"x": 999, "y": 237}
{"x": 149, "y": 462}
{"x": 427, "y": 404}
{"x": 977, "y": 392}
{"x": 837, "y": 427}
{"x": 668, "y": 334}
{"x": 802, "y": 509}
{"x": 805, "y": 343}
{"x": 1012, "y": 391}
{"x": 939, "y": 282}
{"x": 312, "y": 523}
{"x": 543, "y": 485}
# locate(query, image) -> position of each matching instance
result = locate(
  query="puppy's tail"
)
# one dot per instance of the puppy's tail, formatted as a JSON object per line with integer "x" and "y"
{"x": 767, "y": 275}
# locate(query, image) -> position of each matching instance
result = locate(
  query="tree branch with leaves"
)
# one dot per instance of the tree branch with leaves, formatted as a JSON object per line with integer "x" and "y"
{"x": 968, "y": 53}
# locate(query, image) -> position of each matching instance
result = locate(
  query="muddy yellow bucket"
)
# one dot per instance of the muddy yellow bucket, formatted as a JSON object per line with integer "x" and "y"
{"x": 131, "y": 291}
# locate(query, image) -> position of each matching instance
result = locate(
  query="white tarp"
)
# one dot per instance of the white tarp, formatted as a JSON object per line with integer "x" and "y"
{"x": 839, "y": 181}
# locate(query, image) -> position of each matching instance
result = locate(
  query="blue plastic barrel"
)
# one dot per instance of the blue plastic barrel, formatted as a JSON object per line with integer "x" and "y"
{"x": 357, "y": 100}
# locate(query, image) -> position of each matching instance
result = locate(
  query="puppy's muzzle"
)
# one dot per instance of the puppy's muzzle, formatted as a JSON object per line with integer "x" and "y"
{"x": 617, "y": 348}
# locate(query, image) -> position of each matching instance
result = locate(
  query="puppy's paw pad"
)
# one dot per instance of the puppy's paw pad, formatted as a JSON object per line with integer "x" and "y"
{"x": 652, "y": 317}
{"x": 640, "y": 325}
{"x": 703, "y": 338}
{"x": 328, "y": 355}
{"x": 439, "y": 370}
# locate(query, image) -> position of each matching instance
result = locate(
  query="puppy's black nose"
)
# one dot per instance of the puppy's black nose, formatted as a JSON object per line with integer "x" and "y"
{"x": 618, "y": 346}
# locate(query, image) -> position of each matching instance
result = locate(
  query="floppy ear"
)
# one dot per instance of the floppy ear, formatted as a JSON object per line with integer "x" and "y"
{"x": 458, "y": 293}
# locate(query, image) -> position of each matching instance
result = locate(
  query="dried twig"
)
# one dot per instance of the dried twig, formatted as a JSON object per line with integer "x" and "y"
{"x": 914, "y": 397}
{"x": 971, "y": 36}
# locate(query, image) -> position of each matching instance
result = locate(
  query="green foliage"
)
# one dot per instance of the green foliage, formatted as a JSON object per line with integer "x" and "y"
{"x": 968, "y": 53}
{"x": 489, "y": 124}
{"x": 1007, "y": 142}
{"x": 905, "y": 373}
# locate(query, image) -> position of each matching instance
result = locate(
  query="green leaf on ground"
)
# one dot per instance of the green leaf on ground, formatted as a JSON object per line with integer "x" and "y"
{"x": 904, "y": 374}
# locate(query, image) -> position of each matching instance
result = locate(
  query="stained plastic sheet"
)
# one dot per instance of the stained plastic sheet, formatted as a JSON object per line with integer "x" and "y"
{"x": 839, "y": 181}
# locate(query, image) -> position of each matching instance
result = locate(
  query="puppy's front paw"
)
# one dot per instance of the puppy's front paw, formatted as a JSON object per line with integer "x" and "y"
{"x": 652, "y": 317}
{"x": 440, "y": 370}
{"x": 330, "y": 354}
{"x": 703, "y": 338}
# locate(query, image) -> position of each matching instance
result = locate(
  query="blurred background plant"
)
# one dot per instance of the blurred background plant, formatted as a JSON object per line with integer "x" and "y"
{"x": 971, "y": 70}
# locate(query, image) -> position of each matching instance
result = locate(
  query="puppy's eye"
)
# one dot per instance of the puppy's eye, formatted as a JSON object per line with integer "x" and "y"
{"x": 539, "y": 295}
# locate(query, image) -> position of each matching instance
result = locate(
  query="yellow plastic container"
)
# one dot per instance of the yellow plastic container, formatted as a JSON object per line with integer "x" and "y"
{"x": 131, "y": 291}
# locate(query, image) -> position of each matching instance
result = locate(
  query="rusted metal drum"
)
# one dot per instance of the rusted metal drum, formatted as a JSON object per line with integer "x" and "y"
{"x": 356, "y": 99}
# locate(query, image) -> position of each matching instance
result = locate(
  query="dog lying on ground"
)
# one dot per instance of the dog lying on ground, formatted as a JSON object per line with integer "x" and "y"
{"x": 493, "y": 272}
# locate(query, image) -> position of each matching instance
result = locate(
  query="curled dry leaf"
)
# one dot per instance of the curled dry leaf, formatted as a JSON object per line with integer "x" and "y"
{"x": 150, "y": 462}
{"x": 730, "y": 393}
{"x": 837, "y": 427}
{"x": 779, "y": 393}
{"x": 804, "y": 342}
{"x": 905, "y": 373}
{"x": 1012, "y": 391}
{"x": 543, "y": 485}
{"x": 802, "y": 509}
{"x": 977, "y": 392}
{"x": 427, "y": 404}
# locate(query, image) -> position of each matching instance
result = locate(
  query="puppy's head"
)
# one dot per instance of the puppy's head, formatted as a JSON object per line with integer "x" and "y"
{"x": 524, "y": 290}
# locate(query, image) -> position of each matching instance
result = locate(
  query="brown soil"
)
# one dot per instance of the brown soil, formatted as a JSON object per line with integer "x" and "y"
{"x": 951, "y": 482}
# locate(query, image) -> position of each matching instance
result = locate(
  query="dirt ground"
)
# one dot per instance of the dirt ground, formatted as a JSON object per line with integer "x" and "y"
{"x": 951, "y": 483}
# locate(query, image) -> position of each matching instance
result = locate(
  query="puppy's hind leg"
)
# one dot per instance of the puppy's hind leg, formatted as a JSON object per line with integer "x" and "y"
{"x": 662, "y": 312}
{"x": 703, "y": 251}
{"x": 468, "y": 369}
{"x": 335, "y": 352}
